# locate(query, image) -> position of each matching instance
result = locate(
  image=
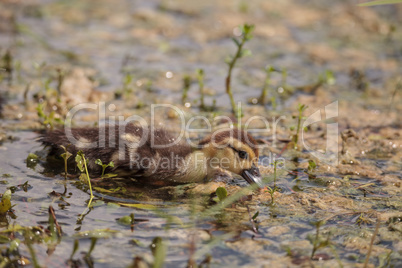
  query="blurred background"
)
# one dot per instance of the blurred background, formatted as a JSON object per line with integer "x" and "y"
{"x": 132, "y": 54}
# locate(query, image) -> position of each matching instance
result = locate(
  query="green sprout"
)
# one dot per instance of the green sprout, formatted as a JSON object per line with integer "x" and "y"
{"x": 5, "y": 204}
{"x": 317, "y": 242}
{"x": 75, "y": 248}
{"x": 128, "y": 79}
{"x": 127, "y": 86}
{"x": 284, "y": 77}
{"x": 246, "y": 35}
{"x": 186, "y": 88}
{"x": 66, "y": 155}
{"x": 264, "y": 93}
{"x": 254, "y": 218}
{"x": 158, "y": 249}
{"x": 301, "y": 108}
{"x": 104, "y": 166}
{"x": 60, "y": 79}
{"x": 39, "y": 67}
{"x": 221, "y": 193}
{"x": 48, "y": 120}
{"x": 284, "y": 88}
{"x": 8, "y": 65}
{"x": 28, "y": 242}
{"x": 311, "y": 165}
{"x": 32, "y": 160}
{"x": 272, "y": 190}
{"x": 87, "y": 258}
{"x": 82, "y": 166}
{"x": 200, "y": 79}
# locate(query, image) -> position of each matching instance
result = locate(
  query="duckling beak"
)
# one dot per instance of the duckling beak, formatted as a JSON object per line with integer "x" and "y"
{"x": 252, "y": 175}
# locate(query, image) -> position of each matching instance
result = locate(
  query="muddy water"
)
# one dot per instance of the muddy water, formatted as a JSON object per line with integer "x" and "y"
{"x": 152, "y": 46}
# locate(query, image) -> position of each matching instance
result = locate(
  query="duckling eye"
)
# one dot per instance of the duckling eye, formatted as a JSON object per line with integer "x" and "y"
{"x": 243, "y": 154}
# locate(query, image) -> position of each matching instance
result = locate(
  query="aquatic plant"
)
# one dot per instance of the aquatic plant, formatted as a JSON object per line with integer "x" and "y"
{"x": 311, "y": 165}
{"x": 5, "y": 203}
{"x": 127, "y": 88}
{"x": 398, "y": 86}
{"x": 200, "y": 78}
{"x": 301, "y": 108}
{"x": 60, "y": 79}
{"x": 54, "y": 227}
{"x": 87, "y": 258}
{"x": 127, "y": 220}
{"x": 82, "y": 166}
{"x": 104, "y": 166}
{"x": 284, "y": 78}
{"x": 268, "y": 70}
{"x": 66, "y": 155}
{"x": 158, "y": 249}
{"x": 272, "y": 190}
{"x": 317, "y": 241}
{"x": 28, "y": 242}
{"x": 253, "y": 219}
{"x": 186, "y": 88}
{"x": 221, "y": 193}
{"x": 32, "y": 160}
{"x": 246, "y": 35}
{"x": 48, "y": 120}
{"x": 7, "y": 66}
{"x": 71, "y": 262}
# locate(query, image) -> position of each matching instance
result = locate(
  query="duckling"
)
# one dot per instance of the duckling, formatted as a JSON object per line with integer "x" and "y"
{"x": 155, "y": 157}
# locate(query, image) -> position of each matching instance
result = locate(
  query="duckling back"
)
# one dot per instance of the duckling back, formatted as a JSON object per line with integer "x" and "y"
{"x": 153, "y": 155}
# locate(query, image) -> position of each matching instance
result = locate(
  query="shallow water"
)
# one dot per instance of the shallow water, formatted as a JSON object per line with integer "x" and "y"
{"x": 96, "y": 44}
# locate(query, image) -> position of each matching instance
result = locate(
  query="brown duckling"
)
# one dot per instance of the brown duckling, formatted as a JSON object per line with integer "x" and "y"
{"x": 155, "y": 157}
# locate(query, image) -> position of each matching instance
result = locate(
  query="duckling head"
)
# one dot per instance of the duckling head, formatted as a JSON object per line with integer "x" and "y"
{"x": 233, "y": 150}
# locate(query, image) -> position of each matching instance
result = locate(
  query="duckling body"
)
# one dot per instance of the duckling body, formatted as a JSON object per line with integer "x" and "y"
{"x": 156, "y": 157}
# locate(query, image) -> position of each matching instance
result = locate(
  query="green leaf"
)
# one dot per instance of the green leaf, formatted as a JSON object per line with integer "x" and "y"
{"x": 79, "y": 159}
{"x": 32, "y": 158}
{"x": 92, "y": 246}
{"x": 75, "y": 247}
{"x": 4, "y": 239}
{"x": 14, "y": 244}
{"x": 111, "y": 164}
{"x": 245, "y": 53}
{"x": 66, "y": 155}
{"x": 110, "y": 175}
{"x": 5, "y": 203}
{"x": 380, "y": 2}
{"x": 330, "y": 77}
{"x": 255, "y": 215}
{"x": 98, "y": 233}
{"x": 126, "y": 220}
{"x": 221, "y": 193}
{"x": 311, "y": 165}
{"x": 140, "y": 206}
{"x": 228, "y": 60}
{"x": 98, "y": 162}
{"x": 39, "y": 109}
{"x": 158, "y": 249}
